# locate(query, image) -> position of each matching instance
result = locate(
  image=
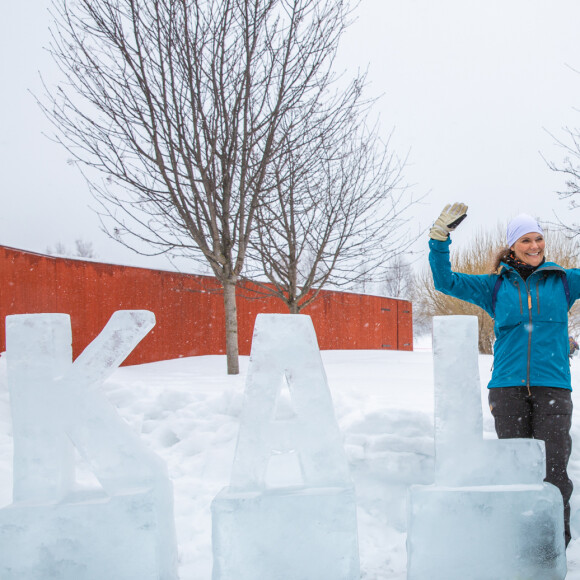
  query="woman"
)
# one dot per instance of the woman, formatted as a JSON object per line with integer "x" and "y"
{"x": 529, "y": 299}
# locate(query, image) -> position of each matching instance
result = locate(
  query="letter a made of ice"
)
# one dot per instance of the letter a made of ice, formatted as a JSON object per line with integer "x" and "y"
{"x": 284, "y": 348}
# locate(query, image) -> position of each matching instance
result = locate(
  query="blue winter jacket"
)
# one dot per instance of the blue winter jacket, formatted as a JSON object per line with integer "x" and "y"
{"x": 531, "y": 318}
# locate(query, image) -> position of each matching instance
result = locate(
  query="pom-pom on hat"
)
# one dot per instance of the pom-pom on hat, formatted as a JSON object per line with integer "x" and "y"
{"x": 520, "y": 226}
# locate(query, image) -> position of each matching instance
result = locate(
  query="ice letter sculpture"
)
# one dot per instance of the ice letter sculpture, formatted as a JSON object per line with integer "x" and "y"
{"x": 290, "y": 511}
{"x": 489, "y": 515}
{"x": 123, "y": 530}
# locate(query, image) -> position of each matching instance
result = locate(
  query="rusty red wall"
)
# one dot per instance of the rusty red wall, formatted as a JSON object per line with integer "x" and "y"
{"x": 188, "y": 308}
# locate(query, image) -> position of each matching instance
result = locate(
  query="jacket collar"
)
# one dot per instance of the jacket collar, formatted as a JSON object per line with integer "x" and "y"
{"x": 542, "y": 267}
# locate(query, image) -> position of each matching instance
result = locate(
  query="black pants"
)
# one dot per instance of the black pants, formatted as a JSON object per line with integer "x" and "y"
{"x": 546, "y": 414}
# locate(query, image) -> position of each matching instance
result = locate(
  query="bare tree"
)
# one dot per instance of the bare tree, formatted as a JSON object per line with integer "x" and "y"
{"x": 83, "y": 248}
{"x": 183, "y": 107}
{"x": 60, "y": 249}
{"x": 568, "y": 238}
{"x": 337, "y": 216}
{"x": 399, "y": 279}
{"x": 570, "y": 168}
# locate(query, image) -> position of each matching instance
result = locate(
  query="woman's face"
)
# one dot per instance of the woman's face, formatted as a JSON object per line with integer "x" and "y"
{"x": 530, "y": 248}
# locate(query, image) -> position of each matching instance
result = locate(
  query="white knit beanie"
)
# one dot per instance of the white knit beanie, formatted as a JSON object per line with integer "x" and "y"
{"x": 520, "y": 226}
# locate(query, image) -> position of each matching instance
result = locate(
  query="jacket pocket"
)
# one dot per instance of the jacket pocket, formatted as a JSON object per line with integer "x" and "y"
{"x": 507, "y": 327}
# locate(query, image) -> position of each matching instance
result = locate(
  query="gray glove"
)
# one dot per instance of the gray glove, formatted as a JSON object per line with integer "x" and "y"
{"x": 450, "y": 218}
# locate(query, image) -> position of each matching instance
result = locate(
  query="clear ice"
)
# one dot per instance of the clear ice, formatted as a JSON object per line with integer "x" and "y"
{"x": 489, "y": 514}
{"x": 290, "y": 509}
{"x": 123, "y": 529}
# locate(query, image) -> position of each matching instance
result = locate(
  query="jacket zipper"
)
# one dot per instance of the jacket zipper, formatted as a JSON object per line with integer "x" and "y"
{"x": 529, "y": 339}
{"x": 529, "y": 329}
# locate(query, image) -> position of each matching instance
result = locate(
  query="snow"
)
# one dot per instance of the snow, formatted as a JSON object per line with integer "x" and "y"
{"x": 187, "y": 411}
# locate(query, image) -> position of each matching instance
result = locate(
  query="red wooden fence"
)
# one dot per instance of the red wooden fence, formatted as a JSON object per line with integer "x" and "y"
{"x": 188, "y": 308}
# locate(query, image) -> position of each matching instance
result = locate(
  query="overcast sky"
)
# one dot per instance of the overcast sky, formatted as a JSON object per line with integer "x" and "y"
{"x": 470, "y": 88}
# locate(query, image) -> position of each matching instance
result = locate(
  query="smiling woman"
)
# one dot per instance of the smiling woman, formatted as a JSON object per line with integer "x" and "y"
{"x": 530, "y": 249}
{"x": 529, "y": 299}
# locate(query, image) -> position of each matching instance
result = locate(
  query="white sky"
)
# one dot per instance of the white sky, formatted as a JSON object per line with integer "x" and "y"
{"x": 469, "y": 87}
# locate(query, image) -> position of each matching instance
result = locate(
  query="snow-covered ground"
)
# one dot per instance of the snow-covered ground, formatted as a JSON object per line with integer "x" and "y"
{"x": 187, "y": 411}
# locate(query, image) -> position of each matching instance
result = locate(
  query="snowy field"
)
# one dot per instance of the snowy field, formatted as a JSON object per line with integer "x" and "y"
{"x": 187, "y": 411}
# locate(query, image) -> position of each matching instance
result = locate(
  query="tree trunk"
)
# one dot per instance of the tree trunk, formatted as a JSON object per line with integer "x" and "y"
{"x": 232, "y": 351}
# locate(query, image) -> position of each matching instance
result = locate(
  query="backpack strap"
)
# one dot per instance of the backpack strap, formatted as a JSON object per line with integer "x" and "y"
{"x": 495, "y": 291}
{"x": 566, "y": 287}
